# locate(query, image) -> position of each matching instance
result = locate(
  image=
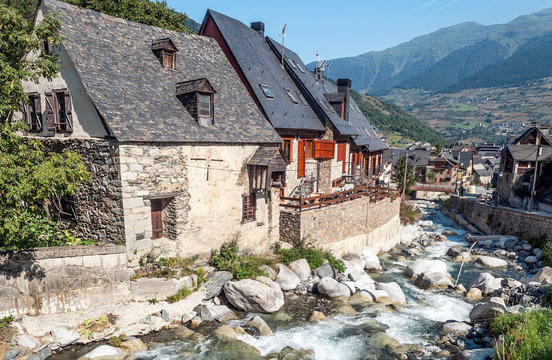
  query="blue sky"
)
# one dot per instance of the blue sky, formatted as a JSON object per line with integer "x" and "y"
{"x": 348, "y": 28}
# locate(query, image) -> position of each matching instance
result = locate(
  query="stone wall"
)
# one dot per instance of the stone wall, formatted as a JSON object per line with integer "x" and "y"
{"x": 346, "y": 227}
{"x": 61, "y": 279}
{"x": 490, "y": 219}
{"x": 98, "y": 205}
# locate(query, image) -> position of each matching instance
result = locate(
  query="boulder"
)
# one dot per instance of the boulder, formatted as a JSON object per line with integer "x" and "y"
{"x": 365, "y": 282}
{"x": 332, "y": 289}
{"x": 423, "y": 265}
{"x": 432, "y": 280}
{"x": 426, "y": 223}
{"x": 225, "y": 332}
{"x": 456, "y": 327}
{"x": 289, "y": 353}
{"x": 353, "y": 263}
{"x": 260, "y": 295}
{"x": 326, "y": 270}
{"x": 543, "y": 276}
{"x": 486, "y": 244}
{"x": 394, "y": 291}
{"x": 215, "y": 283}
{"x": 64, "y": 335}
{"x": 488, "y": 311}
{"x": 301, "y": 268}
{"x": 344, "y": 309}
{"x": 316, "y": 316}
{"x": 105, "y": 352}
{"x": 261, "y": 325}
{"x": 378, "y": 296}
{"x": 509, "y": 243}
{"x": 490, "y": 262}
{"x": 474, "y": 294}
{"x": 455, "y": 251}
{"x": 486, "y": 283}
{"x": 269, "y": 271}
{"x": 476, "y": 354}
{"x": 286, "y": 278}
{"x": 372, "y": 262}
{"x": 212, "y": 312}
{"x": 133, "y": 345}
{"x": 531, "y": 260}
{"x": 27, "y": 341}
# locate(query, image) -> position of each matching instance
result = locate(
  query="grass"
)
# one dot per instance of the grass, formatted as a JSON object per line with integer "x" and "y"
{"x": 169, "y": 267}
{"x": 182, "y": 293}
{"x": 307, "y": 250}
{"x": 227, "y": 258}
{"x": 524, "y": 336}
{"x": 408, "y": 214}
{"x": 7, "y": 331}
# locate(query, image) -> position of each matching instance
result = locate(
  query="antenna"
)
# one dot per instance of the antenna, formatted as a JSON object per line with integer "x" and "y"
{"x": 283, "y": 47}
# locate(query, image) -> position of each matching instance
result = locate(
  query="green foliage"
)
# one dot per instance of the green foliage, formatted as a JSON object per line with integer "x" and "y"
{"x": 307, "y": 250}
{"x": 391, "y": 118}
{"x": 398, "y": 174}
{"x": 408, "y": 214}
{"x": 431, "y": 176}
{"x": 182, "y": 293}
{"x": 90, "y": 326}
{"x": 154, "y": 13}
{"x": 438, "y": 149}
{"x": 525, "y": 336}
{"x": 7, "y": 331}
{"x": 227, "y": 258}
{"x": 170, "y": 267}
{"x": 476, "y": 179}
{"x": 547, "y": 253}
{"x": 116, "y": 340}
{"x": 19, "y": 37}
{"x": 5, "y": 321}
{"x": 153, "y": 301}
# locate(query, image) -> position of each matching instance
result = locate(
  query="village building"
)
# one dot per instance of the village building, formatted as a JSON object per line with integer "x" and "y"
{"x": 326, "y": 138}
{"x": 180, "y": 154}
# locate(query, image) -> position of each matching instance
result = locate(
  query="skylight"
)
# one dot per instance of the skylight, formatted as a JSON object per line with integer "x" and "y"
{"x": 352, "y": 107}
{"x": 299, "y": 66}
{"x": 291, "y": 62}
{"x": 326, "y": 90}
{"x": 266, "y": 91}
{"x": 293, "y": 98}
{"x": 301, "y": 98}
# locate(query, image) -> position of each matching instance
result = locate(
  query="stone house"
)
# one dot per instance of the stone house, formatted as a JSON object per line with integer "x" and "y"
{"x": 179, "y": 153}
{"x": 326, "y": 138}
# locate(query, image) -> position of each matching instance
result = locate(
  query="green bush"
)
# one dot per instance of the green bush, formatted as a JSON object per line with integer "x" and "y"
{"x": 408, "y": 214}
{"x": 307, "y": 250}
{"x": 227, "y": 258}
{"x": 524, "y": 336}
{"x": 182, "y": 293}
{"x": 547, "y": 252}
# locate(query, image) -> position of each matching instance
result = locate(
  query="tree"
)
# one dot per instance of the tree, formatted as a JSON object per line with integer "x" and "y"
{"x": 476, "y": 179}
{"x": 431, "y": 176}
{"x": 398, "y": 174}
{"x": 437, "y": 150}
{"x": 19, "y": 38}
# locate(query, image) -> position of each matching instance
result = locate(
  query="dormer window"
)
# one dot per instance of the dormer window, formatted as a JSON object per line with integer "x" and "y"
{"x": 266, "y": 91}
{"x": 197, "y": 96}
{"x": 165, "y": 50}
{"x": 291, "y": 96}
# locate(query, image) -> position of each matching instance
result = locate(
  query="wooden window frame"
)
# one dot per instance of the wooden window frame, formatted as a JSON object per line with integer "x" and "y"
{"x": 168, "y": 59}
{"x": 33, "y": 111}
{"x": 54, "y": 114}
{"x": 290, "y": 157}
{"x": 211, "y": 105}
{"x": 309, "y": 149}
{"x": 249, "y": 207}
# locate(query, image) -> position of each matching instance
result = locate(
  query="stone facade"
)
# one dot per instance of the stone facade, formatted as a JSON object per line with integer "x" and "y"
{"x": 345, "y": 227}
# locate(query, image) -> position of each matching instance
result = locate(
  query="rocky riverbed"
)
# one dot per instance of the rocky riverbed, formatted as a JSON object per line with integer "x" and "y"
{"x": 406, "y": 304}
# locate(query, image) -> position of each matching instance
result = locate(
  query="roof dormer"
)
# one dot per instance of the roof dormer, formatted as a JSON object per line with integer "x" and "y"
{"x": 165, "y": 50}
{"x": 197, "y": 96}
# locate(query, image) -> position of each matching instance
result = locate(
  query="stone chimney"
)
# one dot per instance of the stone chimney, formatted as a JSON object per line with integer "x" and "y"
{"x": 344, "y": 87}
{"x": 258, "y": 26}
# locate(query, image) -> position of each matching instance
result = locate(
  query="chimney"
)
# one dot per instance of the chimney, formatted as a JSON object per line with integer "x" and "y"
{"x": 344, "y": 87}
{"x": 258, "y": 26}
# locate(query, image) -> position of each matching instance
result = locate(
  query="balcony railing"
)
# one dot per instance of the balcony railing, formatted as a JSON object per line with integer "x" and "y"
{"x": 318, "y": 201}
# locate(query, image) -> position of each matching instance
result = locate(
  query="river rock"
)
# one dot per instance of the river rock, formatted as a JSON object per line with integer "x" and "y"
{"x": 456, "y": 327}
{"x": 490, "y": 262}
{"x": 378, "y": 296}
{"x": 260, "y": 324}
{"x": 474, "y": 294}
{"x": 332, "y": 289}
{"x": 105, "y": 352}
{"x": 301, "y": 268}
{"x": 260, "y": 295}
{"x": 289, "y": 353}
{"x": 432, "y": 280}
{"x": 365, "y": 282}
{"x": 27, "y": 341}
{"x": 344, "y": 309}
{"x": 488, "y": 311}
{"x": 354, "y": 263}
{"x": 543, "y": 276}
{"x": 133, "y": 345}
{"x": 286, "y": 278}
{"x": 64, "y": 335}
{"x": 215, "y": 283}
{"x": 486, "y": 283}
{"x": 476, "y": 354}
{"x": 317, "y": 316}
{"x": 225, "y": 332}
{"x": 326, "y": 270}
{"x": 394, "y": 291}
{"x": 426, "y": 223}
{"x": 372, "y": 262}
{"x": 530, "y": 260}
{"x": 423, "y": 265}
{"x": 211, "y": 312}
{"x": 455, "y": 251}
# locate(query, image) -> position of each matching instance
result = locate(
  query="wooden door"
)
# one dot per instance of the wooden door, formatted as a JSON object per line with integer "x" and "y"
{"x": 157, "y": 218}
{"x": 301, "y": 159}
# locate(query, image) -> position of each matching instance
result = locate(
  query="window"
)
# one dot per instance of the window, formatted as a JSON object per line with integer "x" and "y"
{"x": 326, "y": 90}
{"x": 32, "y": 113}
{"x": 165, "y": 51}
{"x": 351, "y": 106}
{"x": 323, "y": 105}
{"x": 301, "y": 98}
{"x": 293, "y": 98}
{"x": 157, "y": 218}
{"x": 287, "y": 148}
{"x": 59, "y": 111}
{"x": 299, "y": 67}
{"x": 266, "y": 91}
{"x": 249, "y": 207}
{"x": 204, "y": 105}
{"x": 309, "y": 149}
{"x": 292, "y": 63}
{"x": 168, "y": 59}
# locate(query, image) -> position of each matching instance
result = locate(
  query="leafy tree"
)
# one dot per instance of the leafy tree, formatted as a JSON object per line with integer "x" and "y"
{"x": 431, "y": 176}
{"x": 438, "y": 149}
{"x": 398, "y": 174}
{"x": 29, "y": 177}
{"x": 18, "y": 37}
{"x": 476, "y": 179}
{"x": 154, "y": 13}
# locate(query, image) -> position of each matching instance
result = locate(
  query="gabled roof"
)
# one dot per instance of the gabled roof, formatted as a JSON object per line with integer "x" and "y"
{"x": 135, "y": 95}
{"x": 528, "y": 152}
{"x": 163, "y": 44}
{"x": 261, "y": 67}
{"x": 199, "y": 85}
{"x": 532, "y": 131}
{"x": 264, "y": 155}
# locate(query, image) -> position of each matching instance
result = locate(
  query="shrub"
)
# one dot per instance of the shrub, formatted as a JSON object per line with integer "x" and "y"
{"x": 227, "y": 258}
{"x": 182, "y": 293}
{"x": 7, "y": 331}
{"x": 547, "y": 252}
{"x": 524, "y": 336}
{"x": 169, "y": 267}
{"x": 408, "y": 213}
{"x": 307, "y": 250}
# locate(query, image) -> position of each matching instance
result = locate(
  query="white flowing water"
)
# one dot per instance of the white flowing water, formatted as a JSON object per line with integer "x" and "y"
{"x": 348, "y": 337}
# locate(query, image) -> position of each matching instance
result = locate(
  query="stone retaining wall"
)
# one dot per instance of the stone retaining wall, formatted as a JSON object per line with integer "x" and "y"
{"x": 346, "y": 227}
{"x": 491, "y": 220}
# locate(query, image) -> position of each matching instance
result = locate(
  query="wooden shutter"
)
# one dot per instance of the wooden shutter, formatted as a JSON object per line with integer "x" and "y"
{"x": 157, "y": 218}
{"x": 26, "y": 112}
{"x": 324, "y": 149}
{"x": 301, "y": 159}
{"x": 50, "y": 111}
{"x": 342, "y": 155}
{"x": 68, "y": 112}
{"x": 38, "y": 112}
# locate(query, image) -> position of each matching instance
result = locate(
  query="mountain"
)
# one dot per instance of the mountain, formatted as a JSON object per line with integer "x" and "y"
{"x": 440, "y": 59}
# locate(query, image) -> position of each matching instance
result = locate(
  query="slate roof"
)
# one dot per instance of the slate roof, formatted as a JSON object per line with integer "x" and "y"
{"x": 264, "y": 155}
{"x": 419, "y": 157}
{"x": 362, "y": 131}
{"x": 191, "y": 86}
{"x": 528, "y": 152}
{"x": 135, "y": 95}
{"x": 545, "y": 140}
{"x": 260, "y": 66}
